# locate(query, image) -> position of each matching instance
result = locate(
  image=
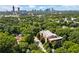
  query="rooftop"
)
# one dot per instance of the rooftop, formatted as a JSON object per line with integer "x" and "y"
{"x": 49, "y": 35}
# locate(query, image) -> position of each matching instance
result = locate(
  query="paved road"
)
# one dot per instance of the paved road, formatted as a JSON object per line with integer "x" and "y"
{"x": 40, "y": 45}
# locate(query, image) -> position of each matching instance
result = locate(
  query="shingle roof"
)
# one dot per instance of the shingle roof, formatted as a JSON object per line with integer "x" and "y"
{"x": 51, "y": 36}
{"x": 47, "y": 33}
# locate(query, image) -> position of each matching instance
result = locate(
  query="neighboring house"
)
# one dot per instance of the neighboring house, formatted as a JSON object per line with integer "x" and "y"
{"x": 30, "y": 14}
{"x": 18, "y": 38}
{"x": 39, "y": 16}
{"x": 48, "y": 36}
{"x": 11, "y": 15}
{"x": 65, "y": 19}
{"x": 73, "y": 19}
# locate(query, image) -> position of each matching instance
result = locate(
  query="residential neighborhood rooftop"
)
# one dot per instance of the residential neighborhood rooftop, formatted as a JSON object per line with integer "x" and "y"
{"x": 49, "y": 35}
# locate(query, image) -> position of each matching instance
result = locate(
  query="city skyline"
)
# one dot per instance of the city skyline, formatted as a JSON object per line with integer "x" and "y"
{"x": 38, "y": 7}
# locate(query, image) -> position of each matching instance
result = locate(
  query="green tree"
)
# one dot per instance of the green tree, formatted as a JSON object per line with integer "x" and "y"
{"x": 74, "y": 36}
{"x": 6, "y": 42}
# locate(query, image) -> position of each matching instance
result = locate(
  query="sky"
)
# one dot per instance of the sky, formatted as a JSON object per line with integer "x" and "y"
{"x": 39, "y": 2}
{"x": 38, "y": 7}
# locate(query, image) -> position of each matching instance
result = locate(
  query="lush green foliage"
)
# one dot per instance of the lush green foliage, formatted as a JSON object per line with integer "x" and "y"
{"x": 29, "y": 26}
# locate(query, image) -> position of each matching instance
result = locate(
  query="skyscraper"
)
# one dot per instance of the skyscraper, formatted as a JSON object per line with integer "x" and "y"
{"x": 13, "y": 8}
{"x": 18, "y": 9}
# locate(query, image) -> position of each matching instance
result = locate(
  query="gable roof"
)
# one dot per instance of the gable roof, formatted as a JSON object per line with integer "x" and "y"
{"x": 51, "y": 36}
{"x": 47, "y": 33}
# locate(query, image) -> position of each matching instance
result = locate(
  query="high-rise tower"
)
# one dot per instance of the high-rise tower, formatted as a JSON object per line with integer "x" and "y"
{"x": 13, "y": 8}
{"x": 18, "y": 9}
